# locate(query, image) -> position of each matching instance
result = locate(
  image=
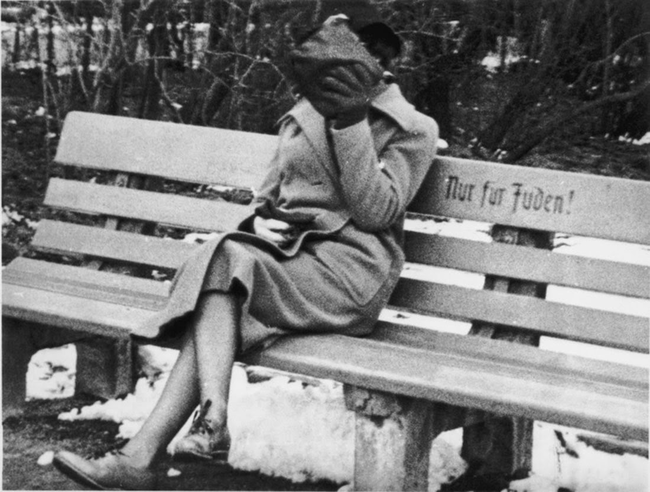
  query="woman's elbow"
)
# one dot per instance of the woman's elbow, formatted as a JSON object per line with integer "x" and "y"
{"x": 377, "y": 220}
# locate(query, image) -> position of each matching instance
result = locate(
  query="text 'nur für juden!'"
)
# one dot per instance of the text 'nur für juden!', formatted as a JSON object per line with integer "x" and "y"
{"x": 518, "y": 196}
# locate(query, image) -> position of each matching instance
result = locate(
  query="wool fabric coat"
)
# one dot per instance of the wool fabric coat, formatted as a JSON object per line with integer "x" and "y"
{"x": 338, "y": 274}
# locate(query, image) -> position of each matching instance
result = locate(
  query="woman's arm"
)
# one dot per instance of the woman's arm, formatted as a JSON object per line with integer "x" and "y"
{"x": 377, "y": 189}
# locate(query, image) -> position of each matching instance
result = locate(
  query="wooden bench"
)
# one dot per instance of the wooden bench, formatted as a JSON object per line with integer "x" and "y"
{"x": 93, "y": 284}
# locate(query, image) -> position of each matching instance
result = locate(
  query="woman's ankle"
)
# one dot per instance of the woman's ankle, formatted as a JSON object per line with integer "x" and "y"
{"x": 216, "y": 415}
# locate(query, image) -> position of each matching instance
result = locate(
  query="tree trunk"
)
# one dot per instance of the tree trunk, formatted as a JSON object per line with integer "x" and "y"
{"x": 555, "y": 124}
{"x": 605, "y": 121}
{"x": 493, "y": 135}
{"x": 15, "y": 55}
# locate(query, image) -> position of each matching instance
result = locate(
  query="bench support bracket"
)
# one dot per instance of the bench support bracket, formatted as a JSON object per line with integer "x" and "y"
{"x": 105, "y": 367}
{"x": 502, "y": 446}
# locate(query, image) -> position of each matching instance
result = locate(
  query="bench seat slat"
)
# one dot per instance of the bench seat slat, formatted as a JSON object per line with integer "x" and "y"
{"x": 549, "y": 318}
{"x": 573, "y": 203}
{"x": 69, "y": 311}
{"x": 74, "y": 239}
{"x": 86, "y": 283}
{"x": 173, "y": 151}
{"x": 166, "y": 209}
{"x": 479, "y": 347}
{"x": 438, "y": 376}
{"x": 528, "y": 264}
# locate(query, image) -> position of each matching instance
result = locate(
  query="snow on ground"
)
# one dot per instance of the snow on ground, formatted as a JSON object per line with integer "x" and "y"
{"x": 304, "y": 432}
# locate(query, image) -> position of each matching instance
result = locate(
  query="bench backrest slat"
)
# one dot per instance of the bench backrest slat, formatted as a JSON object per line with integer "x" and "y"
{"x": 73, "y": 239}
{"x": 166, "y": 209}
{"x": 565, "y": 321}
{"x": 534, "y": 198}
{"x": 529, "y": 264}
{"x": 169, "y": 150}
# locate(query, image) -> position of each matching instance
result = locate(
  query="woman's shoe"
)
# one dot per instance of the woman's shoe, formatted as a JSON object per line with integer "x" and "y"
{"x": 203, "y": 441}
{"x": 110, "y": 472}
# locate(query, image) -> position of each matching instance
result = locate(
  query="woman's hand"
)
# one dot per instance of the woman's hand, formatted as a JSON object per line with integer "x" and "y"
{"x": 336, "y": 73}
{"x": 343, "y": 94}
{"x": 276, "y": 231}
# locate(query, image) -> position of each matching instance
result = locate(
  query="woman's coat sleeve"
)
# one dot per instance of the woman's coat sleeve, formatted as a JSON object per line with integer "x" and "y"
{"x": 377, "y": 189}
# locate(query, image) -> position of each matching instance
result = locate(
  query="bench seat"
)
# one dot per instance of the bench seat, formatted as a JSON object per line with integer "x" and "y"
{"x": 417, "y": 362}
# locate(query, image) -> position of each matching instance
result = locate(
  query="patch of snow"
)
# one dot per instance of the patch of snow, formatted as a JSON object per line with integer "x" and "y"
{"x": 477, "y": 231}
{"x": 135, "y": 406}
{"x": 10, "y": 216}
{"x": 590, "y": 471}
{"x": 644, "y": 140}
{"x": 51, "y": 373}
{"x": 534, "y": 483}
{"x": 220, "y": 188}
{"x": 512, "y": 49}
{"x": 45, "y": 459}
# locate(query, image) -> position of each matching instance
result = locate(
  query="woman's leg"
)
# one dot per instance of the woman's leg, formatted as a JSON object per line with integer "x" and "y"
{"x": 177, "y": 402}
{"x": 216, "y": 337}
{"x": 129, "y": 468}
{"x": 191, "y": 381}
{"x": 202, "y": 372}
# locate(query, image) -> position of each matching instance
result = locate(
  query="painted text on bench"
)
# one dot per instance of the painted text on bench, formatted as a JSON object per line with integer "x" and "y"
{"x": 518, "y": 196}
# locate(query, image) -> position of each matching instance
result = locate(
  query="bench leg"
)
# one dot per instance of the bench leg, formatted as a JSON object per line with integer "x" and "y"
{"x": 499, "y": 446}
{"x": 105, "y": 367}
{"x": 17, "y": 350}
{"x": 393, "y": 440}
{"x": 20, "y": 341}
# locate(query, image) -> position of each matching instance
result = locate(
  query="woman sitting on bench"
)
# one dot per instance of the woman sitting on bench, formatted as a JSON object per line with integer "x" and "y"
{"x": 321, "y": 254}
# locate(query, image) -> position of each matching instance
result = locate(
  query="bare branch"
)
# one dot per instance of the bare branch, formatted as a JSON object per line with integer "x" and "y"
{"x": 555, "y": 124}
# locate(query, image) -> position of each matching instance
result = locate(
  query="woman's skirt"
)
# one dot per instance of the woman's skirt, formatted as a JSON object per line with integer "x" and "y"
{"x": 279, "y": 295}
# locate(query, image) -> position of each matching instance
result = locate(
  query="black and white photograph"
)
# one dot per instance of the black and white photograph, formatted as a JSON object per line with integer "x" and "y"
{"x": 430, "y": 220}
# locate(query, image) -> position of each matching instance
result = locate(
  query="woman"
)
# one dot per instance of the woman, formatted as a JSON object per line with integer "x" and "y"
{"x": 322, "y": 252}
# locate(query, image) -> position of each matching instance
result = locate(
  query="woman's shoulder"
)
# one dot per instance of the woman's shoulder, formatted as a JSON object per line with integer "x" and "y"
{"x": 393, "y": 104}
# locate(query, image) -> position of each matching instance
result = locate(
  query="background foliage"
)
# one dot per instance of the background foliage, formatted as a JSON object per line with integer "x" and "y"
{"x": 529, "y": 68}
{"x": 563, "y": 84}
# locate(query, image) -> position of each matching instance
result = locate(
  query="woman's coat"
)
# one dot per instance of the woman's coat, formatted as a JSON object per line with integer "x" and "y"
{"x": 338, "y": 274}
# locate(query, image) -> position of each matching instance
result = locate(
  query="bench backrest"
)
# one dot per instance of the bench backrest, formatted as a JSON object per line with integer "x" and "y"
{"x": 575, "y": 204}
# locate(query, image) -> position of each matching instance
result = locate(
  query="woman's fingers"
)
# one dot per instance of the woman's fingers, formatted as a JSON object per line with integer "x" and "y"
{"x": 276, "y": 225}
{"x": 271, "y": 230}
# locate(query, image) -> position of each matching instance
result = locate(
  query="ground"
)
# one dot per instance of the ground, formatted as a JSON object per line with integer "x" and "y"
{"x": 27, "y": 438}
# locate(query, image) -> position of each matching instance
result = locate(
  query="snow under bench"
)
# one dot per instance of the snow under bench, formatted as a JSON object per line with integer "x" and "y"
{"x": 135, "y": 188}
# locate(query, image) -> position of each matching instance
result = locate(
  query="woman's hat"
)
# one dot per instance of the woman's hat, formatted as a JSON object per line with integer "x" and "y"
{"x": 363, "y": 17}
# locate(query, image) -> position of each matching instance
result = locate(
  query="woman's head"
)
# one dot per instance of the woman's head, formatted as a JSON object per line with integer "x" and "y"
{"x": 364, "y": 19}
